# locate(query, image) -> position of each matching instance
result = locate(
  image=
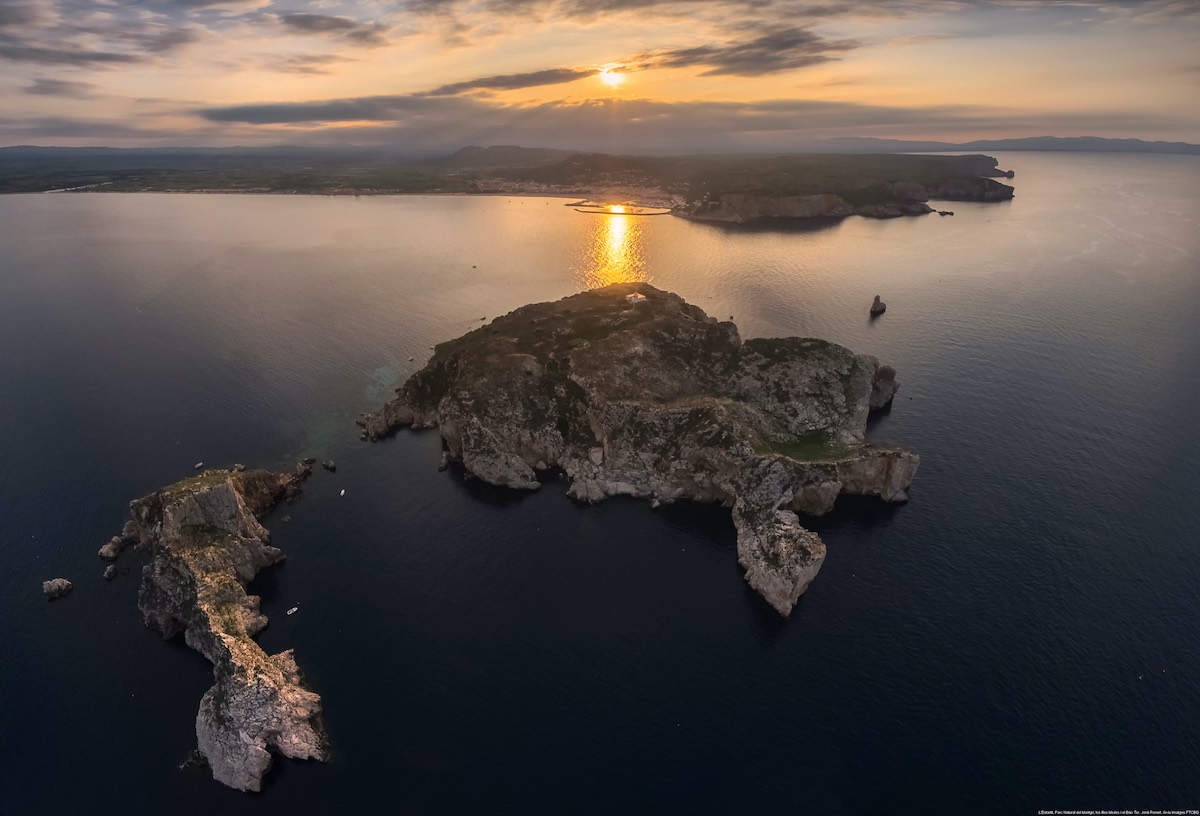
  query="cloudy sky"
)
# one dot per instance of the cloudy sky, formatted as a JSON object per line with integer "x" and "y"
{"x": 614, "y": 75}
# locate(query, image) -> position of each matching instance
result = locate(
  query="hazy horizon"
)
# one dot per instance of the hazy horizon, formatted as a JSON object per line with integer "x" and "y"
{"x": 618, "y": 76}
{"x": 831, "y": 145}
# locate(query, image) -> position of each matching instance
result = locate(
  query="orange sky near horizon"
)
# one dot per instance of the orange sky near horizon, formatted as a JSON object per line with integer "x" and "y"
{"x": 698, "y": 74}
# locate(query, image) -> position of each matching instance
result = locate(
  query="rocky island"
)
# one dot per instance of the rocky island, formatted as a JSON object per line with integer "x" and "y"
{"x": 650, "y": 397}
{"x": 206, "y": 543}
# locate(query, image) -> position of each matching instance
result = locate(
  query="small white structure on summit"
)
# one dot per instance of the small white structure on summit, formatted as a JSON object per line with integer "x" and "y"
{"x": 635, "y": 297}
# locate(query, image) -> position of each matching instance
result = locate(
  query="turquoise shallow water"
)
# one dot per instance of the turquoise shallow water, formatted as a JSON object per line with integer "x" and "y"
{"x": 1020, "y": 636}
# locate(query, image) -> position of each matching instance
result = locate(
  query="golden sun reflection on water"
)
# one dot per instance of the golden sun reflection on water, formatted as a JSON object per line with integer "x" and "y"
{"x": 615, "y": 252}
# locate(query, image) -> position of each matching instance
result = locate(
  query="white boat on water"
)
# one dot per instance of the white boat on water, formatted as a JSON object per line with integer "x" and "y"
{"x": 293, "y": 610}
{"x": 199, "y": 465}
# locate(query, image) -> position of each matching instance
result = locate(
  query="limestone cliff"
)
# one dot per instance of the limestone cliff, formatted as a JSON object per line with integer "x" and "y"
{"x": 206, "y": 544}
{"x": 658, "y": 400}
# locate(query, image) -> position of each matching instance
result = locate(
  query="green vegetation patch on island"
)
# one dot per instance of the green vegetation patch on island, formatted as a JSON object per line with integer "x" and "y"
{"x": 630, "y": 390}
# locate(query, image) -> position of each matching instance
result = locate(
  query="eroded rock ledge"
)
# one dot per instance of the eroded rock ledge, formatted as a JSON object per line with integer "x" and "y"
{"x": 658, "y": 400}
{"x": 206, "y": 544}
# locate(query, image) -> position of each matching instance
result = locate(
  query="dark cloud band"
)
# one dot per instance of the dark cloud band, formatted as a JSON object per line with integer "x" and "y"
{"x": 508, "y": 82}
{"x": 41, "y": 55}
{"x": 346, "y": 28}
{"x": 771, "y": 53}
{"x": 60, "y": 87}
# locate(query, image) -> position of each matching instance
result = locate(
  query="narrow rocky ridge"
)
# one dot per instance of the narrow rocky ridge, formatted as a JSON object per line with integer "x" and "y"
{"x": 657, "y": 400}
{"x": 206, "y": 544}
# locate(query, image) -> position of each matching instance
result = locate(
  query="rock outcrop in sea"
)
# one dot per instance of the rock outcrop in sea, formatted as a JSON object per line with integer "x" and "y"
{"x": 660, "y": 401}
{"x": 206, "y": 544}
{"x": 117, "y": 543}
{"x": 56, "y": 588}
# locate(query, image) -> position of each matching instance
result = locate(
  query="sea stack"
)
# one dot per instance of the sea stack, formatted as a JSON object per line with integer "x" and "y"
{"x": 878, "y": 307}
{"x": 660, "y": 401}
{"x": 883, "y": 387}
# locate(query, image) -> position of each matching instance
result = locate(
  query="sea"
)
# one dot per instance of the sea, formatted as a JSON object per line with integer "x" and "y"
{"x": 1022, "y": 635}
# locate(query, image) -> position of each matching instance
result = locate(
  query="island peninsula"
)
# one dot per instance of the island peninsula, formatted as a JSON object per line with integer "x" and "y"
{"x": 629, "y": 390}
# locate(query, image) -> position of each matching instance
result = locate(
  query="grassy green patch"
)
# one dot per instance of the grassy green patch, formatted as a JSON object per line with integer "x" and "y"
{"x": 811, "y": 447}
{"x": 204, "y": 481}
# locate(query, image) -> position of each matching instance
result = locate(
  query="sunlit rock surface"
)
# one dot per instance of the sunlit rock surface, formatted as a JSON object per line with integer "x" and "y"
{"x": 660, "y": 401}
{"x": 206, "y": 544}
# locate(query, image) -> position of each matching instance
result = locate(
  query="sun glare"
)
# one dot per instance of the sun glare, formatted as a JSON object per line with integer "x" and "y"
{"x": 611, "y": 78}
{"x": 615, "y": 254}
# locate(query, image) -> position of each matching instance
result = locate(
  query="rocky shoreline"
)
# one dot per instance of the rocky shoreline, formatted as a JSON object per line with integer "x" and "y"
{"x": 654, "y": 399}
{"x": 206, "y": 544}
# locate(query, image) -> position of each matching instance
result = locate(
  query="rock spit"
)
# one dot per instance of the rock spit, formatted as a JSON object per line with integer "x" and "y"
{"x": 117, "y": 543}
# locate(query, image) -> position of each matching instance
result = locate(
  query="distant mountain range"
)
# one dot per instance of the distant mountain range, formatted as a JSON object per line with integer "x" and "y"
{"x": 499, "y": 156}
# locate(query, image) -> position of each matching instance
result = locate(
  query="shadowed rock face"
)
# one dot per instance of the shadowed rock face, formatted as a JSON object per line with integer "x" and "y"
{"x": 205, "y": 545}
{"x": 660, "y": 401}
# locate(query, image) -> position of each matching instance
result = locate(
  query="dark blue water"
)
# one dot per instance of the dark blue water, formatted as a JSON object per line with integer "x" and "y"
{"x": 1022, "y": 635}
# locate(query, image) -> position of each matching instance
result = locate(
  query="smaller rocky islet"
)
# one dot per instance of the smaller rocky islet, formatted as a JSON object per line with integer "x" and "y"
{"x": 56, "y": 588}
{"x": 650, "y": 397}
{"x": 205, "y": 544}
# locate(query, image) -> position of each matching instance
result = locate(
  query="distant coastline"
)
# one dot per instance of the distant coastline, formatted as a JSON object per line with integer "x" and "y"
{"x": 831, "y": 208}
{"x": 729, "y": 189}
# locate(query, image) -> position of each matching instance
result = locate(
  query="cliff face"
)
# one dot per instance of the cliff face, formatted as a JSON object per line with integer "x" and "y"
{"x": 657, "y": 400}
{"x": 205, "y": 545}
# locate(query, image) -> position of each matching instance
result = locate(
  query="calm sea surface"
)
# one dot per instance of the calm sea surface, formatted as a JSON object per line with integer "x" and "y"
{"x": 1022, "y": 635}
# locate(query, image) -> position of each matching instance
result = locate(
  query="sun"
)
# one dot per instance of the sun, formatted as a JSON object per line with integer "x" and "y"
{"x": 611, "y": 77}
